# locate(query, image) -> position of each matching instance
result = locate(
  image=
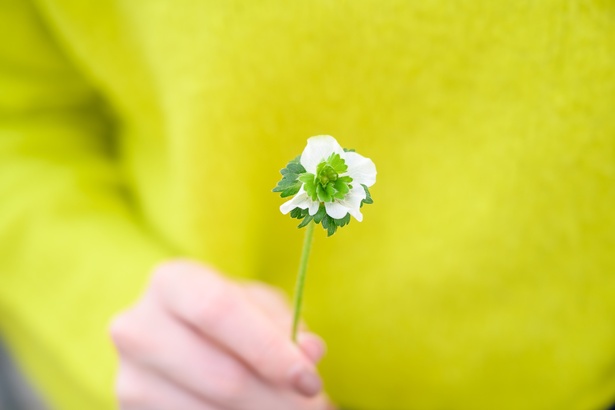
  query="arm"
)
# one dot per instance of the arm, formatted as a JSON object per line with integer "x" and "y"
{"x": 71, "y": 250}
{"x": 73, "y": 255}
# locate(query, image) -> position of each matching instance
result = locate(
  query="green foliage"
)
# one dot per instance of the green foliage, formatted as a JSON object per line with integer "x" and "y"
{"x": 368, "y": 198}
{"x": 322, "y": 212}
{"x": 290, "y": 185}
{"x": 321, "y": 217}
{"x": 342, "y": 187}
{"x": 309, "y": 181}
{"x": 331, "y": 224}
{"x": 308, "y": 218}
{"x": 303, "y": 215}
{"x": 336, "y": 162}
{"x": 325, "y": 194}
{"x": 298, "y": 213}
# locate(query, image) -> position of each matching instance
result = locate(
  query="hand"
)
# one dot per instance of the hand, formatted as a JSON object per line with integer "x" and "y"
{"x": 199, "y": 341}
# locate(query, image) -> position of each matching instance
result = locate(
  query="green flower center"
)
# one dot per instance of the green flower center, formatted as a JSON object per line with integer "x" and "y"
{"x": 327, "y": 174}
{"x": 327, "y": 184}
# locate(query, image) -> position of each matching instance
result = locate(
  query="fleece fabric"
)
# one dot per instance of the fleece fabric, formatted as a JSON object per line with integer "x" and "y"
{"x": 483, "y": 276}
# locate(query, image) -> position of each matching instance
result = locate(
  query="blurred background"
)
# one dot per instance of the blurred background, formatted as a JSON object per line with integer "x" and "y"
{"x": 15, "y": 391}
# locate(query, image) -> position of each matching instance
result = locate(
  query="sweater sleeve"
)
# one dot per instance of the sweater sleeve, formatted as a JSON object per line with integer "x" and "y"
{"x": 72, "y": 249}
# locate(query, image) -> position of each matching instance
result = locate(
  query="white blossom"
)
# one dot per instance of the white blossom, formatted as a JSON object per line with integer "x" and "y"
{"x": 362, "y": 171}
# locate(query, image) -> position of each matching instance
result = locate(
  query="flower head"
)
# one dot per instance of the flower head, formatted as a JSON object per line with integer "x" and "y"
{"x": 329, "y": 184}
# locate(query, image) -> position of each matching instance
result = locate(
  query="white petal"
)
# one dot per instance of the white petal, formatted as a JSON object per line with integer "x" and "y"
{"x": 313, "y": 209}
{"x": 318, "y": 149}
{"x": 356, "y": 213}
{"x": 352, "y": 202}
{"x": 362, "y": 170}
{"x": 355, "y": 196}
{"x": 301, "y": 200}
{"x": 336, "y": 210}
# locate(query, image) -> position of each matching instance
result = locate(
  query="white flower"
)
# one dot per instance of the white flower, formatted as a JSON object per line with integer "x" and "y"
{"x": 317, "y": 161}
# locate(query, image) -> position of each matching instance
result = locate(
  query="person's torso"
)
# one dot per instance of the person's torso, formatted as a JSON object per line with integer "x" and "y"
{"x": 484, "y": 273}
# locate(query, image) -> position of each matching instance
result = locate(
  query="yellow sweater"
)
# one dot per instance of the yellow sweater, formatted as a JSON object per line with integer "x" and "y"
{"x": 483, "y": 277}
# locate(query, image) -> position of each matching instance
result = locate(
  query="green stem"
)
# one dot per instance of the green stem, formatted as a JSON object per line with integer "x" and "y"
{"x": 305, "y": 254}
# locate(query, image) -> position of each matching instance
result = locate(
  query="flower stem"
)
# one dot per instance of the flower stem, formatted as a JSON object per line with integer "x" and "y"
{"x": 305, "y": 254}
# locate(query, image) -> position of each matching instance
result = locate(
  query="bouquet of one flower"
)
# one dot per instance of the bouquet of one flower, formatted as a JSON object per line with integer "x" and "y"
{"x": 328, "y": 184}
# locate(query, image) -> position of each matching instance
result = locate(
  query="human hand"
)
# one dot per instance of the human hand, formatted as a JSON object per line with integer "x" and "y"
{"x": 199, "y": 341}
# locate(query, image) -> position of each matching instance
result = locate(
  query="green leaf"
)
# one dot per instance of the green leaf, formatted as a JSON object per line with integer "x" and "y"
{"x": 368, "y": 197}
{"x": 285, "y": 183}
{"x": 305, "y": 221}
{"x": 341, "y": 188}
{"x": 322, "y": 212}
{"x": 293, "y": 167}
{"x": 349, "y": 150}
{"x": 329, "y": 224}
{"x": 343, "y": 221}
{"x": 338, "y": 164}
{"x": 290, "y": 185}
{"x": 298, "y": 213}
{"x": 309, "y": 185}
{"x": 324, "y": 194}
{"x": 291, "y": 190}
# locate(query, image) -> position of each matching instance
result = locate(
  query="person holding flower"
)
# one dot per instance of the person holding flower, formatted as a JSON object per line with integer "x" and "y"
{"x": 140, "y": 141}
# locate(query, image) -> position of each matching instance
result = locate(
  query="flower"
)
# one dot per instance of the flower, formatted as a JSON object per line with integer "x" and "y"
{"x": 327, "y": 179}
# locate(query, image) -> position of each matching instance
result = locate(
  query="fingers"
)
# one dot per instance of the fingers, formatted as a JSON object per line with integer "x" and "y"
{"x": 273, "y": 303}
{"x": 178, "y": 366}
{"x": 312, "y": 346}
{"x": 218, "y": 310}
{"x": 180, "y": 356}
{"x": 138, "y": 389}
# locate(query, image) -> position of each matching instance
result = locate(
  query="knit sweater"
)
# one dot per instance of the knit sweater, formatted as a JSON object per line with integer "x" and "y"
{"x": 482, "y": 278}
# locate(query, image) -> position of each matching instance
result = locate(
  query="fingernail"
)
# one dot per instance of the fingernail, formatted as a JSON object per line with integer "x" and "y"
{"x": 313, "y": 346}
{"x": 306, "y": 382}
{"x": 320, "y": 352}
